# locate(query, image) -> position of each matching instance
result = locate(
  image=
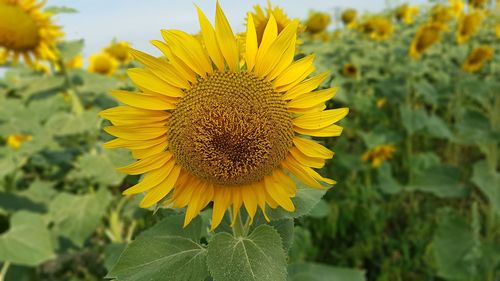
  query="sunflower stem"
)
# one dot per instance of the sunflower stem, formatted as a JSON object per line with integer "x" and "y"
{"x": 3, "y": 271}
{"x": 238, "y": 227}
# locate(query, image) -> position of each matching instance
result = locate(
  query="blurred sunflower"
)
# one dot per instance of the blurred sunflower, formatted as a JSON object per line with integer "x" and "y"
{"x": 477, "y": 57}
{"x": 27, "y": 32}
{"x": 456, "y": 7}
{"x": 102, "y": 63}
{"x": 406, "y": 13}
{"x": 317, "y": 22}
{"x": 204, "y": 129}
{"x": 468, "y": 26}
{"x": 441, "y": 14}
{"x": 377, "y": 27}
{"x": 478, "y": 3}
{"x": 75, "y": 62}
{"x": 119, "y": 51}
{"x": 348, "y": 17}
{"x": 350, "y": 70}
{"x": 15, "y": 141}
{"x": 379, "y": 154}
{"x": 425, "y": 37}
{"x": 261, "y": 16}
{"x": 497, "y": 30}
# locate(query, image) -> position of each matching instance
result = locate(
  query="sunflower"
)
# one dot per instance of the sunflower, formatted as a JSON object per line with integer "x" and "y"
{"x": 261, "y": 17}
{"x": 119, "y": 51}
{"x": 468, "y": 26}
{"x": 379, "y": 154}
{"x": 75, "y": 62}
{"x": 456, "y": 7}
{"x": 377, "y": 27}
{"x": 350, "y": 70}
{"x": 477, "y": 57}
{"x": 27, "y": 32}
{"x": 441, "y": 14}
{"x": 406, "y": 13}
{"x": 348, "y": 17}
{"x": 15, "y": 141}
{"x": 478, "y": 3}
{"x": 206, "y": 129}
{"x": 317, "y": 22}
{"x": 102, "y": 63}
{"x": 497, "y": 30}
{"x": 425, "y": 37}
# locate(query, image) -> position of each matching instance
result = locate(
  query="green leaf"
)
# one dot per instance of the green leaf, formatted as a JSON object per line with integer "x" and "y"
{"x": 165, "y": 252}
{"x": 112, "y": 253}
{"x": 387, "y": 183}
{"x": 77, "y": 216}
{"x": 412, "y": 120}
{"x": 321, "y": 210}
{"x": 321, "y": 272}
{"x": 98, "y": 168}
{"x": 60, "y": 10}
{"x": 488, "y": 182}
{"x": 11, "y": 202}
{"x": 258, "y": 257}
{"x": 441, "y": 180}
{"x": 438, "y": 128}
{"x": 27, "y": 242}
{"x": 305, "y": 199}
{"x": 70, "y": 49}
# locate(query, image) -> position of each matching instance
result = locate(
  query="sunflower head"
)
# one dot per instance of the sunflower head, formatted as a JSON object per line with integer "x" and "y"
{"x": 119, "y": 51}
{"x": 456, "y": 7}
{"x": 477, "y": 57}
{"x": 348, "y": 17}
{"x": 425, "y": 37}
{"x": 478, "y": 4}
{"x": 102, "y": 63}
{"x": 210, "y": 126}
{"x": 15, "y": 141}
{"x": 406, "y": 13}
{"x": 262, "y": 15}
{"x": 379, "y": 154}
{"x": 27, "y": 32}
{"x": 441, "y": 14}
{"x": 468, "y": 26}
{"x": 350, "y": 70}
{"x": 377, "y": 28}
{"x": 317, "y": 22}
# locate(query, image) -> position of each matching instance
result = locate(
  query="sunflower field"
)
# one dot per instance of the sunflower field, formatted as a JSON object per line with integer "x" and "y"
{"x": 346, "y": 146}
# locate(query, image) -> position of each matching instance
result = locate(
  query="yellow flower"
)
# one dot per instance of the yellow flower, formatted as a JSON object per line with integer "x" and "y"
{"x": 456, "y": 7}
{"x": 205, "y": 128}
{"x": 477, "y": 57}
{"x": 16, "y": 140}
{"x": 119, "y": 51}
{"x": 468, "y": 26}
{"x": 379, "y": 154}
{"x": 317, "y": 22}
{"x": 102, "y": 63}
{"x": 425, "y": 37}
{"x": 350, "y": 70}
{"x": 406, "y": 13}
{"x": 497, "y": 30}
{"x": 377, "y": 27}
{"x": 478, "y": 3}
{"x": 76, "y": 62}
{"x": 348, "y": 17}
{"x": 441, "y": 14}
{"x": 27, "y": 32}
{"x": 381, "y": 102}
{"x": 261, "y": 17}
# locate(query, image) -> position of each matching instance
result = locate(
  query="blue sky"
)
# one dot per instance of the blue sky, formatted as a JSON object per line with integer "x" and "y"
{"x": 138, "y": 22}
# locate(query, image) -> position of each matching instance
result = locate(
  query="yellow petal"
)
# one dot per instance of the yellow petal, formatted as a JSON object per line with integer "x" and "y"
{"x": 128, "y": 112}
{"x": 144, "y": 79}
{"x": 199, "y": 200}
{"x": 222, "y": 199}
{"x": 305, "y": 86}
{"x": 208, "y": 33}
{"x": 183, "y": 192}
{"x": 249, "y": 200}
{"x": 225, "y": 37}
{"x": 312, "y": 99}
{"x": 147, "y": 164}
{"x": 150, "y": 151}
{"x": 135, "y": 132}
{"x": 185, "y": 71}
{"x": 299, "y": 171}
{"x": 321, "y": 119}
{"x": 318, "y": 177}
{"x": 318, "y": 108}
{"x": 143, "y": 101}
{"x": 237, "y": 202}
{"x": 330, "y": 131}
{"x": 161, "y": 69}
{"x": 270, "y": 34}
{"x": 278, "y": 194}
{"x": 312, "y": 148}
{"x": 285, "y": 61}
{"x": 260, "y": 191}
{"x": 295, "y": 71}
{"x": 251, "y": 43}
{"x": 306, "y": 160}
{"x": 286, "y": 182}
{"x": 135, "y": 144}
{"x": 151, "y": 179}
{"x": 157, "y": 193}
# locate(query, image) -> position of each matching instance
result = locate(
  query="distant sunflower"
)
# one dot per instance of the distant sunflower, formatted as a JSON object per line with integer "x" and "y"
{"x": 15, "y": 141}
{"x": 441, "y": 14}
{"x": 379, "y": 154}
{"x": 456, "y": 7}
{"x": 406, "y": 13}
{"x": 350, "y": 70}
{"x": 206, "y": 129}
{"x": 377, "y": 27}
{"x": 261, "y": 17}
{"x": 468, "y": 26}
{"x": 477, "y": 58}
{"x": 27, "y": 32}
{"x": 425, "y": 37}
{"x": 497, "y": 30}
{"x": 102, "y": 63}
{"x": 119, "y": 51}
{"x": 478, "y": 3}
{"x": 348, "y": 17}
{"x": 317, "y": 22}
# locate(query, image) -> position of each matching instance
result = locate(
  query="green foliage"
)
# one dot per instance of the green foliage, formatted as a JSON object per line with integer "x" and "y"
{"x": 320, "y": 272}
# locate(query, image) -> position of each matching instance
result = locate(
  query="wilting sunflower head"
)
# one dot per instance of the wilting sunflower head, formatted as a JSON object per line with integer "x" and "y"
{"x": 119, "y": 51}
{"x": 425, "y": 37}
{"x": 27, "y": 32}
{"x": 317, "y": 22}
{"x": 350, "y": 70}
{"x": 348, "y": 16}
{"x": 477, "y": 57}
{"x": 261, "y": 17}
{"x": 15, "y": 141}
{"x": 406, "y": 13}
{"x": 456, "y": 7}
{"x": 468, "y": 26}
{"x": 379, "y": 154}
{"x": 102, "y": 63}
{"x": 207, "y": 128}
{"x": 377, "y": 28}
